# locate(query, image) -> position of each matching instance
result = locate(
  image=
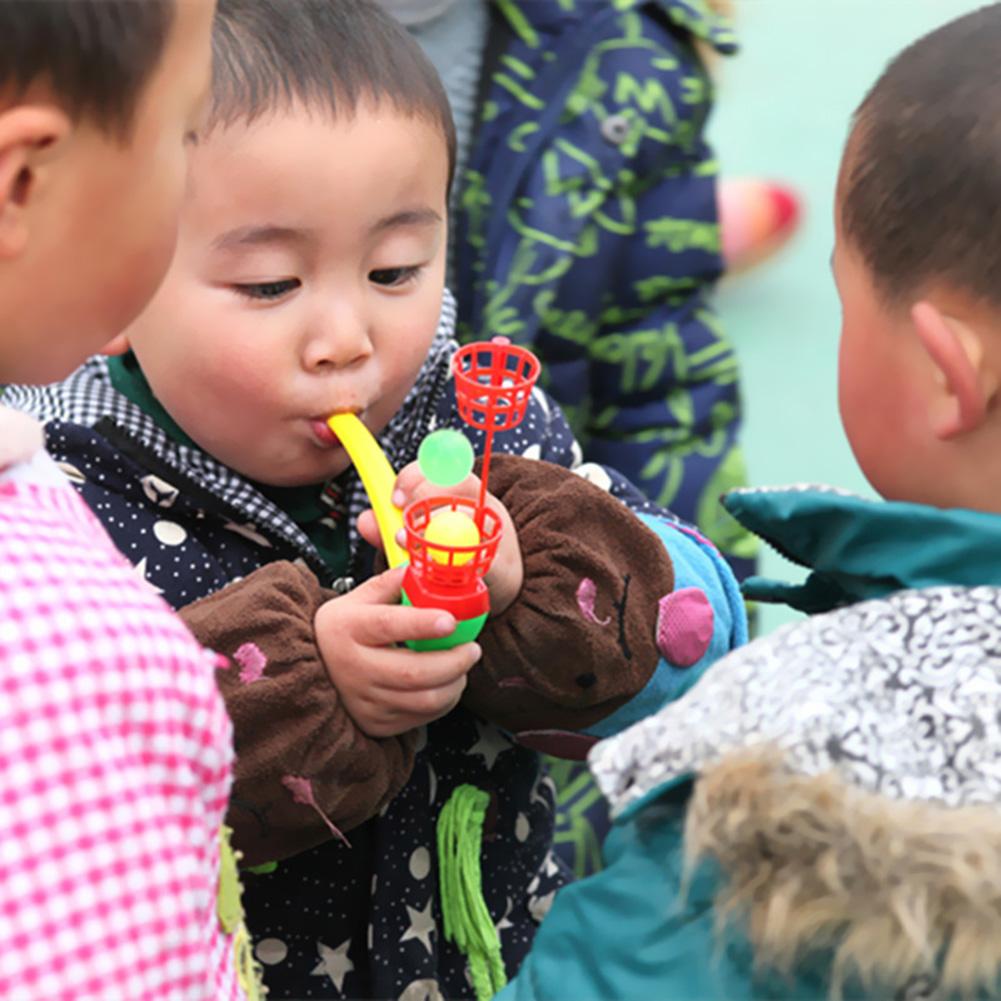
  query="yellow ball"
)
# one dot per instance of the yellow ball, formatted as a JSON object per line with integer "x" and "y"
{"x": 451, "y": 528}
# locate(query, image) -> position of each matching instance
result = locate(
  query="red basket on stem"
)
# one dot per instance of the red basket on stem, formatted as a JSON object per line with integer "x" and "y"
{"x": 493, "y": 386}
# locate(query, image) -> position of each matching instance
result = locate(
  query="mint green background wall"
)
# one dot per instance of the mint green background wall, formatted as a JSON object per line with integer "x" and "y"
{"x": 783, "y": 108}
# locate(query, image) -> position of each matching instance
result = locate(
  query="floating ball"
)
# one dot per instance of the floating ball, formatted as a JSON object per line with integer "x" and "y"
{"x": 446, "y": 457}
{"x": 451, "y": 528}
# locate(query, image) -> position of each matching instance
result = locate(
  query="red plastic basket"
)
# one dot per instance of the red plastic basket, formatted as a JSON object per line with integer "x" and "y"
{"x": 493, "y": 383}
{"x": 447, "y": 575}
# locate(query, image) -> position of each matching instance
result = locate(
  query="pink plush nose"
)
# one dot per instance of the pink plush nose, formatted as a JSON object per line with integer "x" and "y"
{"x": 684, "y": 626}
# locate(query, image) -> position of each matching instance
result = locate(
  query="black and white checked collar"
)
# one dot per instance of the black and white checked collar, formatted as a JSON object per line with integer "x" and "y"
{"x": 87, "y": 398}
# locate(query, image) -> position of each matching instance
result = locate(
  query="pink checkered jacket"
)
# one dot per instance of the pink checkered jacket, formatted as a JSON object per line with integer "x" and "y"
{"x": 115, "y": 757}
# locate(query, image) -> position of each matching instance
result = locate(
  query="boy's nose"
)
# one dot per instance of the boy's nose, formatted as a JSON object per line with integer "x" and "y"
{"x": 337, "y": 343}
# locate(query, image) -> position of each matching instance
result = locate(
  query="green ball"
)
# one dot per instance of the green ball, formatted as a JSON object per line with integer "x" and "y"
{"x": 446, "y": 457}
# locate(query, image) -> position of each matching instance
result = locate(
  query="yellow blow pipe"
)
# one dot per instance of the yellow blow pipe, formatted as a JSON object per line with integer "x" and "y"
{"x": 377, "y": 477}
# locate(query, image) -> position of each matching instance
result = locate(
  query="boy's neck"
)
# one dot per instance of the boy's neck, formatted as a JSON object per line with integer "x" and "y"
{"x": 128, "y": 378}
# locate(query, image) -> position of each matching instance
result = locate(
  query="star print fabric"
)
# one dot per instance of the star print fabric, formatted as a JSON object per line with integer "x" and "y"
{"x": 366, "y": 922}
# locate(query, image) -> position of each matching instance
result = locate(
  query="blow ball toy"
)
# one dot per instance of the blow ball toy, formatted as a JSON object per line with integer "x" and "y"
{"x": 450, "y": 541}
{"x": 442, "y": 575}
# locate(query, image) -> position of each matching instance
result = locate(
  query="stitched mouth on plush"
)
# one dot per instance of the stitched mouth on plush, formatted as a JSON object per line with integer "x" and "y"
{"x": 558, "y": 743}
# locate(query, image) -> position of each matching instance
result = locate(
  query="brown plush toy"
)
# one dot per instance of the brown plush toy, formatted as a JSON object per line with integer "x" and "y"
{"x": 584, "y": 640}
{"x": 580, "y": 640}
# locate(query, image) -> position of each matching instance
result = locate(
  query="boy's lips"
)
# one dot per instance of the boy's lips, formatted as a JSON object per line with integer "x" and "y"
{"x": 322, "y": 433}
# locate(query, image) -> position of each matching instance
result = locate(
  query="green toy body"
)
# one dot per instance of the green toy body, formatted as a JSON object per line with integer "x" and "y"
{"x": 466, "y": 631}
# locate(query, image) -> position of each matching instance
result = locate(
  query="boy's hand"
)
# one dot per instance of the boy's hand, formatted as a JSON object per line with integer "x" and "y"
{"x": 388, "y": 690}
{"x": 507, "y": 572}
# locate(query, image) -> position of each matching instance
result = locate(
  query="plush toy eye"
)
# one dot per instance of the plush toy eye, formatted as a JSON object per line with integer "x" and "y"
{"x": 586, "y": 680}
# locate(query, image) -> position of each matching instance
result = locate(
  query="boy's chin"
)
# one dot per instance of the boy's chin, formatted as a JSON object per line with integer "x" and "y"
{"x": 300, "y": 478}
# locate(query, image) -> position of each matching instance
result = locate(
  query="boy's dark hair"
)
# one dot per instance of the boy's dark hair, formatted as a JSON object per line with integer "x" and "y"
{"x": 920, "y": 186}
{"x": 331, "y": 54}
{"x": 95, "y": 55}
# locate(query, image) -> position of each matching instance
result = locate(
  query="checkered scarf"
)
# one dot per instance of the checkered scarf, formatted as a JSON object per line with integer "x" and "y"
{"x": 88, "y": 398}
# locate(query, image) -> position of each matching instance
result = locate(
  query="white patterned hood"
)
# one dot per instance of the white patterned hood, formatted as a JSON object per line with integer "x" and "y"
{"x": 899, "y": 696}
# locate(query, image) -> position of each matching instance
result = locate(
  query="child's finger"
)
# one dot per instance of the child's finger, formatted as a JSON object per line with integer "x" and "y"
{"x": 368, "y": 528}
{"x": 412, "y": 671}
{"x": 376, "y": 619}
{"x": 382, "y": 624}
{"x": 417, "y": 708}
{"x": 382, "y": 589}
{"x": 407, "y": 481}
{"x": 412, "y": 485}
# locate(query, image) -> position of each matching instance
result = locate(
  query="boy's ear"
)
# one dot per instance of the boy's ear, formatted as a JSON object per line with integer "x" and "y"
{"x": 966, "y": 388}
{"x": 26, "y": 131}
{"x": 116, "y": 346}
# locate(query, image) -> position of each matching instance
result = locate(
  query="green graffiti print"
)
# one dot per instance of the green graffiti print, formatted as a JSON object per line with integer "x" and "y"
{"x": 677, "y": 235}
{"x": 580, "y": 196}
{"x": 476, "y": 203}
{"x": 719, "y": 526}
{"x": 661, "y": 286}
{"x": 576, "y": 795}
{"x": 572, "y": 325}
{"x": 649, "y": 95}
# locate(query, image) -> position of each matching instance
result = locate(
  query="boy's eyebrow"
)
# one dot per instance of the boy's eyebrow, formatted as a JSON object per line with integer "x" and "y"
{"x": 250, "y": 236}
{"x": 408, "y": 217}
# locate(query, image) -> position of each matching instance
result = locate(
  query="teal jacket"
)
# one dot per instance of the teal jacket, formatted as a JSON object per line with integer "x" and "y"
{"x": 819, "y": 815}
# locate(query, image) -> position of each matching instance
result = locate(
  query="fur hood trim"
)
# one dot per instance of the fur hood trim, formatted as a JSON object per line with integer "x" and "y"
{"x": 898, "y": 891}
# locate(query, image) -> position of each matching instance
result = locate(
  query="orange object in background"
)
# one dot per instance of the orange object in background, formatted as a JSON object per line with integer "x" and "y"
{"x": 757, "y": 218}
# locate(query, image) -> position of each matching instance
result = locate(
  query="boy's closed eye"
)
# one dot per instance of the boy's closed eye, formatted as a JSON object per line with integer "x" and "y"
{"x": 270, "y": 290}
{"x": 394, "y": 277}
{"x": 267, "y": 290}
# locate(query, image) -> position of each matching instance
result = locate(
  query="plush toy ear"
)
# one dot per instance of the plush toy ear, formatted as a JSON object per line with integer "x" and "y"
{"x": 26, "y": 131}
{"x": 966, "y": 389}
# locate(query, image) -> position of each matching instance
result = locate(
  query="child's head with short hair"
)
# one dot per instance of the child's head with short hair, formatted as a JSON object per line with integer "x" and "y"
{"x": 96, "y": 97}
{"x": 310, "y": 264}
{"x": 918, "y": 266}
{"x": 326, "y": 56}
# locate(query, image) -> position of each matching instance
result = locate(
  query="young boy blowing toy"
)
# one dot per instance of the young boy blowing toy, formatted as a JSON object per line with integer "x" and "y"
{"x": 309, "y": 279}
{"x": 823, "y": 806}
{"x": 115, "y": 748}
